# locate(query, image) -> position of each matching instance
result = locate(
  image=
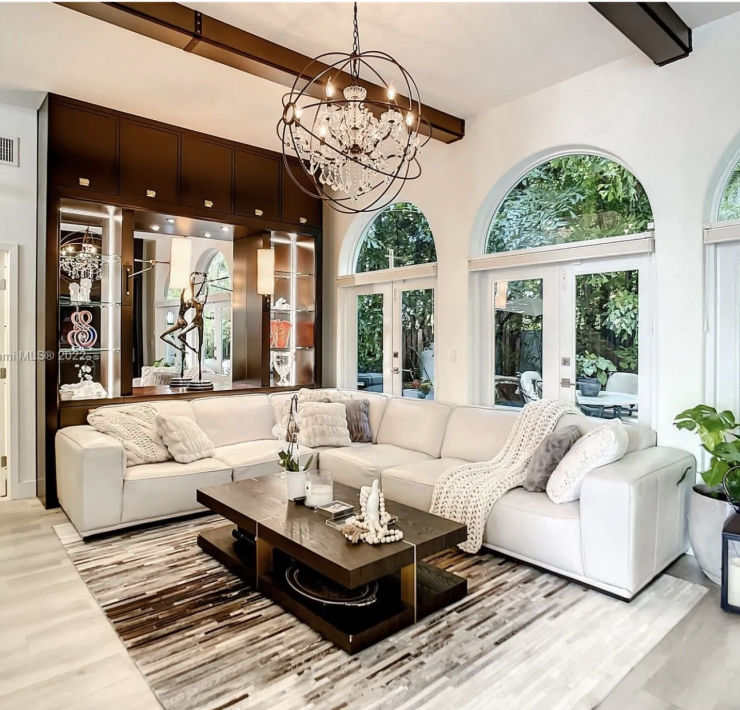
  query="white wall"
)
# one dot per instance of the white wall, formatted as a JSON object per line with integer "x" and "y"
{"x": 18, "y": 226}
{"x": 675, "y": 127}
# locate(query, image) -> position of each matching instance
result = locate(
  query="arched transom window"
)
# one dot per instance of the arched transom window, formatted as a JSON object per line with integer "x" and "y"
{"x": 729, "y": 206}
{"x": 570, "y": 199}
{"x": 398, "y": 236}
{"x": 218, "y": 274}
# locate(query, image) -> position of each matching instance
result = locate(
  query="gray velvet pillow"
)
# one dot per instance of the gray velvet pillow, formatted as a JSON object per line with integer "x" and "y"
{"x": 547, "y": 456}
{"x": 358, "y": 420}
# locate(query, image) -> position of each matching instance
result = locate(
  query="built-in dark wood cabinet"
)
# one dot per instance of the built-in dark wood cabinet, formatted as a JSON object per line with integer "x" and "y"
{"x": 206, "y": 175}
{"x": 298, "y": 207}
{"x": 83, "y": 148}
{"x": 257, "y": 185}
{"x": 93, "y": 158}
{"x": 150, "y": 162}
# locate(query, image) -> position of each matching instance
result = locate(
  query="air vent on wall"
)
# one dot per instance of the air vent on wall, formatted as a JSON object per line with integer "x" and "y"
{"x": 9, "y": 151}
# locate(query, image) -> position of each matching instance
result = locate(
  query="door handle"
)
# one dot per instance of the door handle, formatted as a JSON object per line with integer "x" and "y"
{"x": 395, "y": 370}
{"x": 565, "y": 382}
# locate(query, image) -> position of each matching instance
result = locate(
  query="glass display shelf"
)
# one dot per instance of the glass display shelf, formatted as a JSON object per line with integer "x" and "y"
{"x": 66, "y": 301}
{"x": 291, "y": 310}
{"x": 86, "y": 351}
{"x": 287, "y": 350}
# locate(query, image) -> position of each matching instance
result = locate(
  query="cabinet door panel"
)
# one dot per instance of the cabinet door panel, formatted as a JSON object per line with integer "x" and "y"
{"x": 298, "y": 207}
{"x": 256, "y": 185}
{"x": 149, "y": 161}
{"x": 206, "y": 175}
{"x": 83, "y": 148}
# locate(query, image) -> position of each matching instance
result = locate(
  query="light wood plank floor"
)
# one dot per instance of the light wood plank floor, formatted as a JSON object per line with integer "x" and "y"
{"x": 58, "y": 651}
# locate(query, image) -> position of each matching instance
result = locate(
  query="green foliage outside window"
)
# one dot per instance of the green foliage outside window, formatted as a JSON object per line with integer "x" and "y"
{"x": 570, "y": 199}
{"x": 403, "y": 228}
{"x": 729, "y": 207}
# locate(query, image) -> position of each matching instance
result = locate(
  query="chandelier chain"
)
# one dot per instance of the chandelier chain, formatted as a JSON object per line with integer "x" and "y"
{"x": 356, "y": 47}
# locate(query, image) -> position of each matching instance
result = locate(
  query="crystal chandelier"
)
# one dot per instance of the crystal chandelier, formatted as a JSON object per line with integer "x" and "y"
{"x": 81, "y": 260}
{"x": 351, "y": 145}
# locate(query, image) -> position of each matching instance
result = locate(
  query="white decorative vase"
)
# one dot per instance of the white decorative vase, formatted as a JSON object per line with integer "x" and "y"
{"x": 707, "y": 517}
{"x": 296, "y": 484}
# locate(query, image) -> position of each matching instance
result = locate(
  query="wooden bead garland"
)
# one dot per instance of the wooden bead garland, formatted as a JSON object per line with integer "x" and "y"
{"x": 371, "y": 526}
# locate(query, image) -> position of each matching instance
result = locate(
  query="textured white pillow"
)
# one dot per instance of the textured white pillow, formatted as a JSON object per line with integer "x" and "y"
{"x": 185, "y": 440}
{"x": 598, "y": 447}
{"x": 308, "y": 395}
{"x": 323, "y": 424}
{"x": 135, "y": 427}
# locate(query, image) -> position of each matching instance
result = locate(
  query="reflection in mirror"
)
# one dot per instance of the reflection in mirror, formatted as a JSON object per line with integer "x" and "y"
{"x": 157, "y": 307}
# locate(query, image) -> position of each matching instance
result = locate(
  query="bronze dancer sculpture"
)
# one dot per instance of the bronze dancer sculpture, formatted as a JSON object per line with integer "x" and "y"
{"x": 190, "y": 299}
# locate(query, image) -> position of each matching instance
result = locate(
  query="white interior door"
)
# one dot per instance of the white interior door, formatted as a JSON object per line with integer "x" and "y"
{"x": 610, "y": 345}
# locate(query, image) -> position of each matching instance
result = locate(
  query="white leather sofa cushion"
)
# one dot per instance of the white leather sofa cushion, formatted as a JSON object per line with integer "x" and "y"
{"x": 414, "y": 424}
{"x": 530, "y": 526}
{"x": 413, "y": 483}
{"x": 360, "y": 465}
{"x": 640, "y": 437}
{"x": 477, "y": 433}
{"x": 378, "y": 403}
{"x": 232, "y": 420}
{"x": 256, "y": 458}
{"x": 174, "y": 407}
{"x": 277, "y": 402}
{"x": 159, "y": 490}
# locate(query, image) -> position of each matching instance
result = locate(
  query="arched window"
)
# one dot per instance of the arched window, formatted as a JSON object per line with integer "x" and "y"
{"x": 570, "y": 199}
{"x": 398, "y": 236}
{"x": 729, "y": 206}
{"x": 218, "y": 274}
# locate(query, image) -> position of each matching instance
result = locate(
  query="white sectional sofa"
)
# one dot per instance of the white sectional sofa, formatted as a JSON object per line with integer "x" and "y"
{"x": 629, "y": 524}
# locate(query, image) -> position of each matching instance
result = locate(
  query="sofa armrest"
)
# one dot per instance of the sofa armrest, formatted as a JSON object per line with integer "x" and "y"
{"x": 90, "y": 471}
{"x": 634, "y": 516}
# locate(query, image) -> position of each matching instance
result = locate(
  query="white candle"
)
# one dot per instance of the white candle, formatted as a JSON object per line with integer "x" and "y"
{"x": 318, "y": 494}
{"x": 733, "y": 582}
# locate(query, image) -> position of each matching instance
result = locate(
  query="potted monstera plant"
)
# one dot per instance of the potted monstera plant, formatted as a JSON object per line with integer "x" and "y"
{"x": 593, "y": 373}
{"x": 715, "y": 500}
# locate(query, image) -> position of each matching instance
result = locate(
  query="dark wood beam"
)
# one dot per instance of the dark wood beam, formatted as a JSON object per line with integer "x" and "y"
{"x": 194, "y": 32}
{"x": 654, "y": 27}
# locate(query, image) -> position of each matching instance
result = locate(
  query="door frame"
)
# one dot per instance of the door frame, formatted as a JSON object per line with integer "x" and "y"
{"x": 558, "y": 296}
{"x": 390, "y": 289}
{"x": 9, "y": 347}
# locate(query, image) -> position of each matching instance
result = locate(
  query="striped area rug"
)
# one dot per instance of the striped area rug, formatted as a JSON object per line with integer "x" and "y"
{"x": 520, "y": 640}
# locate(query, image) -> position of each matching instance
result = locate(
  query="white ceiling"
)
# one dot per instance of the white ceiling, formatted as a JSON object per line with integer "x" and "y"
{"x": 465, "y": 57}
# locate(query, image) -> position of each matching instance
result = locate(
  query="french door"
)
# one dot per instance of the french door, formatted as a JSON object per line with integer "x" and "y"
{"x": 725, "y": 345}
{"x": 552, "y": 326}
{"x": 391, "y": 337}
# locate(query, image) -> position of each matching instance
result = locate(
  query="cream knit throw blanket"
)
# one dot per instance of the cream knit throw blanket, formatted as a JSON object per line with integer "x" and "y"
{"x": 467, "y": 493}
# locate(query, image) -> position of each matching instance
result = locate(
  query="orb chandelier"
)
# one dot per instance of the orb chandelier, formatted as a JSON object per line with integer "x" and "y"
{"x": 357, "y": 151}
{"x": 80, "y": 258}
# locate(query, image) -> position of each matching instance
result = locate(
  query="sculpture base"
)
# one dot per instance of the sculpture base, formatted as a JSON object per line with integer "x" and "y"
{"x": 199, "y": 386}
{"x": 180, "y": 381}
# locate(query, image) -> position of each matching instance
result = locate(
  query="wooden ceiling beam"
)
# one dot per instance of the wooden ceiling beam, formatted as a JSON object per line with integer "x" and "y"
{"x": 654, "y": 27}
{"x": 194, "y": 32}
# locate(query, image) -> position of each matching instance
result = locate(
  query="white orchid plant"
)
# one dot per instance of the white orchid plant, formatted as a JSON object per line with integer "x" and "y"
{"x": 287, "y": 440}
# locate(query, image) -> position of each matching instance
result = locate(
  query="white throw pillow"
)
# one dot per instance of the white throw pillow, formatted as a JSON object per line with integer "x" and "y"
{"x": 308, "y": 395}
{"x": 135, "y": 427}
{"x": 598, "y": 447}
{"x": 185, "y": 440}
{"x": 323, "y": 424}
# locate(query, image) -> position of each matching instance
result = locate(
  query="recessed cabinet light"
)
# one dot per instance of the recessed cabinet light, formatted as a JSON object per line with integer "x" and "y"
{"x": 224, "y": 229}
{"x": 171, "y": 220}
{"x": 206, "y": 234}
{"x": 155, "y": 228}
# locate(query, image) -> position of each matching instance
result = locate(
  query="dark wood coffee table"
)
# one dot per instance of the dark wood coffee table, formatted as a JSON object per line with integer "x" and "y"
{"x": 285, "y": 532}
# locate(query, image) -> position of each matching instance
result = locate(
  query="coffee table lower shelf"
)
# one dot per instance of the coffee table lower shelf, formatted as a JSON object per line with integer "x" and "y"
{"x": 351, "y": 629}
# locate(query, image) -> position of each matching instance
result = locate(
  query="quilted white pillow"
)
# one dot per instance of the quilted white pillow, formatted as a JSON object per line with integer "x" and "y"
{"x": 135, "y": 427}
{"x": 323, "y": 424}
{"x": 598, "y": 447}
{"x": 184, "y": 439}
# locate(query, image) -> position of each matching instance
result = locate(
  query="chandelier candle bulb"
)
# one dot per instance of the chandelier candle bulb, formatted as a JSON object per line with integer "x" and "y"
{"x": 391, "y": 92}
